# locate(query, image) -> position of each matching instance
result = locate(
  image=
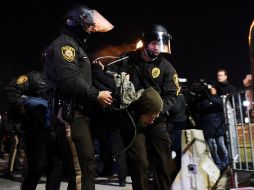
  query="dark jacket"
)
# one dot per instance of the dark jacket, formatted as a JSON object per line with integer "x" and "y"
{"x": 102, "y": 80}
{"x": 212, "y": 116}
{"x": 178, "y": 113}
{"x": 159, "y": 74}
{"x": 32, "y": 84}
{"x": 68, "y": 68}
{"x": 225, "y": 88}
{"x": 17, "y": 93}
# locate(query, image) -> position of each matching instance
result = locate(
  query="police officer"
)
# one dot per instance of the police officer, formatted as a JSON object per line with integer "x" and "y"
{"x": 148, "y": 68}
{"x": 68, "y": 73}
{"x": 27, "y": 94}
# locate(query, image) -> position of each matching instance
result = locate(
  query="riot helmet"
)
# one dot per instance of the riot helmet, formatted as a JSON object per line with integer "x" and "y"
{"x": 90, "y": 20}
{"x": 159, "y": 37}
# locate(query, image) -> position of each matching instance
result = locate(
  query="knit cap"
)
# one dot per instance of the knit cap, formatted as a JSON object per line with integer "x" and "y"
{"x": 150, "y": 102}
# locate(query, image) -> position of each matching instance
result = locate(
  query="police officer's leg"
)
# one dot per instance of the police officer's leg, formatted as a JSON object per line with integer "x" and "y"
{"x": 159, "y": 146}
{"x": 53, "y": 162}
{"x": 82, "y": 140}
{"x": 137, "y": 158}
{"x": 36, "y": 159}
{"x": 49, "y": 161}
{"x": 105, "y": 152}
{"x": 119, "y": 154}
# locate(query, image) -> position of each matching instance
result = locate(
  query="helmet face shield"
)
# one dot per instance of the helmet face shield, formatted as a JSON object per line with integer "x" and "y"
{"x": 95, "y": 22}
{"x": 164, "y": 42}
{"x": 160, "y": 39}
{"x": 90, "y": 20}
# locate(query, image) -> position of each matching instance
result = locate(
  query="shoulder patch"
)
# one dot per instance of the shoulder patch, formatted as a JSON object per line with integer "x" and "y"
{"x": 176, "y": 81}
{"x": 156, "y": 72}
{"x": 22, "y": 79}
{"x": 68, "y": 53}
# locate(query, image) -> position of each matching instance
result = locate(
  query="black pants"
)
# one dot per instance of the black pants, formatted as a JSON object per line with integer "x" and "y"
{"x": 175, "y": 133}
{"x": 109, "y": 146}
{"x": 151, "y": 148}
{"x": 42, "y": 158}
{"x": 106, "y": 126}
{"x": 119, "y": 155}
{"x": 82, "y": 164}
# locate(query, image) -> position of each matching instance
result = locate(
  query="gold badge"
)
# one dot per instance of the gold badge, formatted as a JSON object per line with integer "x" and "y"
{"x": 156, "y": 72}
{"x": 68, "y": 53}
{"x": 175, "y": 78}
{"x": 22, "y": 79}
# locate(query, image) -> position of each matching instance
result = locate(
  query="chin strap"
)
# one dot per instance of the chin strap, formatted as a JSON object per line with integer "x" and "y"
{"x": 147, "y": 57}
{"x": 151, "y": 55}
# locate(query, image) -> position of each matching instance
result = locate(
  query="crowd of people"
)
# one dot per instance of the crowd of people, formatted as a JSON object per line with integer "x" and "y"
{"x": 80, "y": 119}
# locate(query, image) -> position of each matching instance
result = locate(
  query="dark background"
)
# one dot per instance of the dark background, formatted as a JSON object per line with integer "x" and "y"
{"x": 206, "y": 36}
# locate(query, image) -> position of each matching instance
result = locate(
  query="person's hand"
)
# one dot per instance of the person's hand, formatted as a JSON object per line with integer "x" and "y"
{"x": 247, "y": 81}
{"x": 213, "y": 91}
{"x": 105, "y": 98}
{"x": 99, "y": 63}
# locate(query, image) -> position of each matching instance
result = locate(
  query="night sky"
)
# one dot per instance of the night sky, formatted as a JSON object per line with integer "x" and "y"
{"x": 206, "y": 36}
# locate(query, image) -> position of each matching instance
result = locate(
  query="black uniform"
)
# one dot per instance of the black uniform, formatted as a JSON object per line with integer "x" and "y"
{"x": 152, "y": 142}
{"x": 68, "y": 74}
{"x": 40, "y": 143}
{"x": 159, "y": 74}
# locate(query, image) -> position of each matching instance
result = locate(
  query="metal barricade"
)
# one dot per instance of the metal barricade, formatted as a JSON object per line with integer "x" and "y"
{"x": 239, "y": 122}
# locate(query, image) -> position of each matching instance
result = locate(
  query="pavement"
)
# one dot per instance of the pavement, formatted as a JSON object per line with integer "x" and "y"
{"x": 101, "y": 184}
{"x": 245, "y": 179}
{"x": 112, "y": 184}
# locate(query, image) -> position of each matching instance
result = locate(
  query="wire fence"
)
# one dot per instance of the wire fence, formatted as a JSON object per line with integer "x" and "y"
{"x": 239, "y": 123}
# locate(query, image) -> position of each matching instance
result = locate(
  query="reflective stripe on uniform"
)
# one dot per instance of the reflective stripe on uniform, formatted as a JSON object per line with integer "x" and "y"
{"x": 74, "y": 158}
{"x": 73, "y": 149}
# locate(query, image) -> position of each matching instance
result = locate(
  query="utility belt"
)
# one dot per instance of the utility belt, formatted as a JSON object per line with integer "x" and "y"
{"x": 68, "y": 103}
{"x": 68, "y": 107}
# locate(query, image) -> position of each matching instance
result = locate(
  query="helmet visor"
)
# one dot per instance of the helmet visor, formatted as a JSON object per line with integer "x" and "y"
{"x": 99, "y": 23}
{"x": 162, "y": 39}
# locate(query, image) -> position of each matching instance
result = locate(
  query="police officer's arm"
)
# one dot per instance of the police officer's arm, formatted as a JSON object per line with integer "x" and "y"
{"x": 170, "y": 89}
{"x": 73, "y": 81}
{"x": 102, "y": 80}
{"x": 15, "y": 90}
